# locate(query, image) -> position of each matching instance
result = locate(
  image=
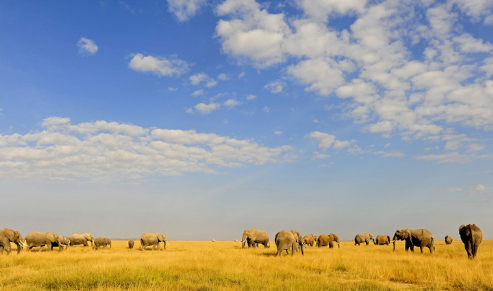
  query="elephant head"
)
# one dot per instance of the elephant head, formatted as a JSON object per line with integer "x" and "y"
{"x": 89, "y": 237}
{"x": 162, "y": 238}
{"x": 402, "y": 234}
{"x": 53, "y": 237}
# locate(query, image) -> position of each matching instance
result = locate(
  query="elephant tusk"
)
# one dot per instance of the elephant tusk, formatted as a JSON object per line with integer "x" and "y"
{"x": 167, "y": 242}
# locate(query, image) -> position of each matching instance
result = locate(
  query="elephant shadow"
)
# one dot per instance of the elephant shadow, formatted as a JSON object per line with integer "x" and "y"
{"x": 270, "y": 254}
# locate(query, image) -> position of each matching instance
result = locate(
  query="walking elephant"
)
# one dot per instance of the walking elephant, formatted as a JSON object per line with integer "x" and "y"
{"x": 102, "y": 242}
{"x": 253, "y": 237}
{"x": 382, "y": 240}
{"x": 152, "y": 239}
{"x": 285, "y": 241}
{"x": 448, "y": 239}
{"x": 471, "y": 235}
{"x": 12, "y": 236}
{"x": 363, "y": 238}
{"x": 310, "y": 239}
{"x": 335, "y": 238}
{"x": 42, "y": 239}
{"x": 300, "y": 244}
{"x": 415, "y": 237}
{"x": 327, "y": 240}
{"x": 81, "y": 239}
{"x": 131, "y": 244}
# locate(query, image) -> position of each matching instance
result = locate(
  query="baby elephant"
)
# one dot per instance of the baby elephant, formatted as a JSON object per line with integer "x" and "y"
{"x": 102, "y": 242}
{"x": 131, "y": 244}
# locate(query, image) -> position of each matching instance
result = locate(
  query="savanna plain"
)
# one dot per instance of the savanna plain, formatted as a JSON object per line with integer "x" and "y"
{"x": 223, "y": 265}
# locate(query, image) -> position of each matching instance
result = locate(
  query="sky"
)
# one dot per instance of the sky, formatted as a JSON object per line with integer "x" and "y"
{"x": 199, "y": 119}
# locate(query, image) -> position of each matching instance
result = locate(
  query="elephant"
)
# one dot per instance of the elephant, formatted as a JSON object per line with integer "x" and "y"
{"x": 310, "y": 239}
{"x": 300, "y": 242}
{"x": 13, "y": 236}
{"x": 101, "y": 242}
{"x": 64, "y": 241}
{"x": 253, "y": 237}
{"x": 328, "y": 240}
{"x": 285, "y": 240}
{"x": 5, "y": 244}
{"x": 81, "y": 239}
{"x": 471, "y": 235}
{"x": 152, "y": 239}
{"x": 131, "y": 244}
{"x": 382, "y": 240}
{"x": 42, "y": 239}
{"x": 415, "y": 237}
{"x": 363, "y": 237}
{"x": 448, "y": 239}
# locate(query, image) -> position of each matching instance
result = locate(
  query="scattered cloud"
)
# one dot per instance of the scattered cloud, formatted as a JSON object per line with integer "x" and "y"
{"x": 241, "y": 75}
{"x": 158, "y": 65}
{"x": 198, "y": 93}
{"x": 454, "y": 190}
{"x": 251, "y": 97}
{"x": 206, "y": 108}
{"x": 275, "y": 86}
{"x": 223, "y": 77}
{"x": 172, "y": 89}
{"x": 87, "y": 46}
{"x": 478, "y": 190}
{"x": 231, "y": 103}
{"x": 454, "y": 157}
{"x": 326, "y": 140}
{"x": 277, "y": 132}
{"x": 104, "y": 150}
{"x": 185, "y": 9}
{"x": 203, "y": 78}
{"x": 318, "y": 156}
{"x": 266, "y": 109}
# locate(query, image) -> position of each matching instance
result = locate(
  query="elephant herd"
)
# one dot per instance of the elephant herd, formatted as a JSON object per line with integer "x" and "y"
{"x": 291, "y": 241}
{"x": 51, "y": 240}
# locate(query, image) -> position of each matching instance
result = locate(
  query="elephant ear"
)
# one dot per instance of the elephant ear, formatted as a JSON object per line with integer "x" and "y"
{"x": 88, "y": 236}
{"x": 410, "y": 237}
{"x": 10, "y": 234}
{"x": 461, "y": 227}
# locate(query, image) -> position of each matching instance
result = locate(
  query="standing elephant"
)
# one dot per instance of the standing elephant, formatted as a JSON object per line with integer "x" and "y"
{"x": 131, "y": 244}
{"x": 42, "y": 239}
{"x": 327, "y": 240}
{"x": 310, "y": 239}
{"x": 382, "y": 240}
{"x": 81, "y": 239}
{"x": 363, "y": 238}
{"x": 335, "y": 238}
{"x": 102, "y": 242}
{"x": 471, "y": 236}
{"x": 152, "y": 239}
{"x": 285, "y": 240}
{"x": 253, "y": 237}
{"x": 415, "y": 237}
{"x": 448, "y": 239}
{"x": 64, "y": 241}
{"x": 299, "y": 240}
{"x": 12, "y": 236}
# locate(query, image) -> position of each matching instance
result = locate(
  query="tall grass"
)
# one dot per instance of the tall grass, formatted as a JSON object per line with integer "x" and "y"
{"x": 204, "y": 265}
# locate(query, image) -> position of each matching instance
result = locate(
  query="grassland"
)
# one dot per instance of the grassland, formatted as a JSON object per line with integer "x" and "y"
{"x": 206, "y": 265}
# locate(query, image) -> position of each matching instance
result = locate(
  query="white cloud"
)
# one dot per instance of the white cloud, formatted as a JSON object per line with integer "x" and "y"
{"x": 275, "y": 86}
{"x": 251, "y": 97}
{"x": 241, "y": 75}
{"x": 318, "y": 156}
{"x": 326, "y": 140}
{"x": 231, "y": 103}
{"x": 157, "y": 65}
{"x": 277, "y": 132}
{"x": 206, "y": 108}
{"x": 266, "y": 109}
{"x": 453, "y": 190}
{"x": 185, "y": 9}
{"x": 445, "y": 158}
{"x": 478, "y": 190}
{"x": 223, "y": 77}
{"x": 114, "y": 151}
{"x": 198, "y": 93}
{"x": 87, "y": 46}
{"x": 202, "y": 77}
{"x": 320, "y": 9}
{"x": 172, "y": 89}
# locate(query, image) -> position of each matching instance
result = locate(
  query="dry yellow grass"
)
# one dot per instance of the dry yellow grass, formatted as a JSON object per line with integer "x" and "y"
{"x": 205, "y": 265}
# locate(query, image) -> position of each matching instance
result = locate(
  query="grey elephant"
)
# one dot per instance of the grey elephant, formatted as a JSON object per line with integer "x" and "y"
{"x": 286, "y": 241}
{"x": 448, "y": 239}
{"x": 65, "y": 241}
{"x": 131, "y": 244}
{"x": 335, "y": 238}
{"x": 363, "y": 238}
{"x": 415, "y": 237}
{"x": 81, "y": 239}
{"x": 328, "y": 240}
{"x": 152, "y": 239}
{"x": 382, "y": 240}
{"x": 43, "y": 239}
{"x": 472, "y": 236}
{"x": 12, "y": 236}
{"x": 253, "y": 237}
{"x": 102, "y": 242}
{"x": 310, "y": 239}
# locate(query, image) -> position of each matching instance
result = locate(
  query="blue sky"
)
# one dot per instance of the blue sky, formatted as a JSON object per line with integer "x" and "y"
{"x": 200, "y": 119}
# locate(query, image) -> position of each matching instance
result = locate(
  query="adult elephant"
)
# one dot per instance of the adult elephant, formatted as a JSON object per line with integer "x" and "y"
{"x": 13, "y": 236}
{"x": 310, "y": 239}
{"x": 415, "y": 237}
{"x": 327, "y": 240}
{"x": 152, "y": 239}
{"x": 363, "y": 238}
{"x": 286, "y": 241}
{"x": 335, "y": 238}
{"x": 42, "y": 239}
{"x": 472, "y": 236}
{"x": 81, "y": 239}
{"x": 253, "y": 237}
{"x": 131, "y": 244}
{"x": 448, "y": 239}
{"x": 382, "y": 240}
{"x": 102, "y": 242}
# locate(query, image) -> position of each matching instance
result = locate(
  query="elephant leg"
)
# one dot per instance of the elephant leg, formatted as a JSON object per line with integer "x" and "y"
{"x": 19, "y": 247}
{"x": 1, "y": 250}
{"x": 468, "y": 246}
{"x": 41, "y": 248}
